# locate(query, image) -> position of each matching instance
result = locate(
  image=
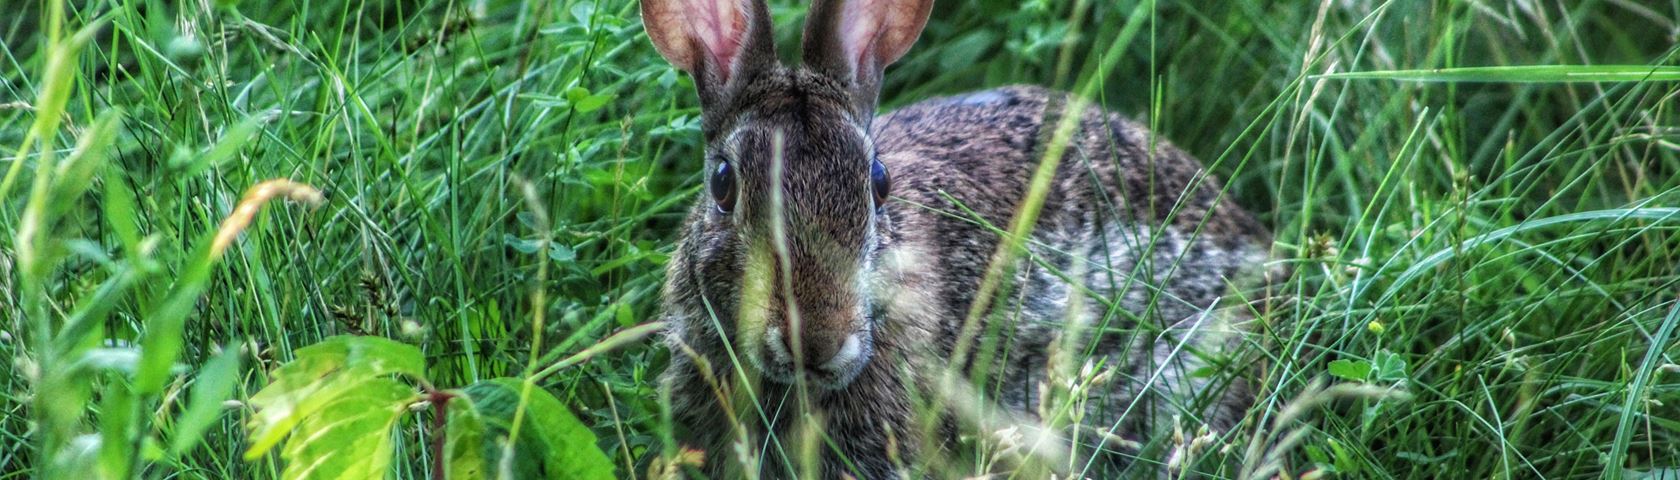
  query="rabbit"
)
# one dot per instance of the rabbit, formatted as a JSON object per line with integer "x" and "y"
{"x": 828, "y": 273}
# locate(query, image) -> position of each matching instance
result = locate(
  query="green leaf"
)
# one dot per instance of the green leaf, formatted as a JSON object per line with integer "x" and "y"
{"x": 1346, "y": 461}
{"x": 119, "y": 213}
{"x": 226, "y": 148}
{"x": 75, "y": 174}
{"x": 319, "y": 376}
{"x": 78, "y": 459}
{"x": 1641, "y": 381}
{"x": 551, "y": 443}
{"x": 521, "y": 245}
{"x": 576, "y": 93}
{"x": 160, "y": 342}
{"x": 118, "y": 359}
{"x": 1356, "y": 370}
{"x": 90, "y": 311}
{"x": 116, "y": 429}
{"x": 592, "y": 103}
{"x": 1522, "y": 74}
{"x": 464, "y": 444}
{"x": 966, "y": 50}
{"x": 561, "y": 253}
{"x": 626, "y": 318}
{"x": 585, "y": 102}
{"x": 349, "y": 437}
{"x": 1389, "y": 367}
{"x": 215, "y": 382}
{"x": 582, "y": 12}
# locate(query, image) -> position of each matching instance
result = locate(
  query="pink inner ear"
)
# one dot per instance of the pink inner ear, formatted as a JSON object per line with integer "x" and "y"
{"x": 721, "y": 26}
{"x": 859, "y": 25}
{"x": 875, "y": 33}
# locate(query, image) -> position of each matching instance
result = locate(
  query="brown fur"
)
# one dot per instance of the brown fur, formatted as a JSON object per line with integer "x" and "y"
{"x": 1134, "y": 221}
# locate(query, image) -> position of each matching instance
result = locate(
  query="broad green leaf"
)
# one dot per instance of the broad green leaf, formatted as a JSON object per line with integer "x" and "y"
{"x": 464, "y": 444}
{"x": 320, "y": 374}
{"x": 215, "y": 382}
{"x": 349, "y": 437}
{"x": 551, "y": 443}
{"x": 1356, "y": 370}
{"x": 381, "y": 354}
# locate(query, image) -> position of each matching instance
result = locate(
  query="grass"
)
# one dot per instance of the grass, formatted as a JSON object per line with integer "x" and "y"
{"x": 1477, "y": 200}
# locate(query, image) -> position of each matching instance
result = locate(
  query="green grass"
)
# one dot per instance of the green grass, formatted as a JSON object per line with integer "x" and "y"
{"x": 1484, "y": 191}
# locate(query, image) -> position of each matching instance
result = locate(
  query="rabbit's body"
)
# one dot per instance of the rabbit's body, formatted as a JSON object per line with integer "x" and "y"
{"x": 818, "y": 304}
{"x": 1127, "y": 220}
{"x": 1115, "y": 226}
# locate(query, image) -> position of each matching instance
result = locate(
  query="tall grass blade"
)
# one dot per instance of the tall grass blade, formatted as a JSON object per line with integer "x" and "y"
{"x": 1520, "y": 74}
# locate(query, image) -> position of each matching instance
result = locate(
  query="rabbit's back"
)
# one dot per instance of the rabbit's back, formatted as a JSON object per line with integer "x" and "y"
{"x": 1133, "y": 244}
{"x": 990, "y": 143}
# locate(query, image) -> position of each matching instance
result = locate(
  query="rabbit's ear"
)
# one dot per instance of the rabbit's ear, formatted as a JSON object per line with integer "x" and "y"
{"x": 854, "y": 40}
{"x": 719, "y": 42}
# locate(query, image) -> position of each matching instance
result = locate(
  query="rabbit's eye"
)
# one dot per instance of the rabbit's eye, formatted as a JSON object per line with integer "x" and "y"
{"x": 722, "y": 185}
{"x": 880, "y": 181}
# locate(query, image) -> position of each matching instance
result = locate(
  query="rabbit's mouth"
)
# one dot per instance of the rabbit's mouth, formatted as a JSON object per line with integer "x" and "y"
{"x": 827, "y": 368}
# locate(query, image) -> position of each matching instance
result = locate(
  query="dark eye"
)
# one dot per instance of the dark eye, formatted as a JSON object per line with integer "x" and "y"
{"x": 879, "y": 181}
{"x": 722, "y": 184}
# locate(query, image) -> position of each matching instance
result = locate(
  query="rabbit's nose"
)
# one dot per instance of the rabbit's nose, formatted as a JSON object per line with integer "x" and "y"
{"x": 821, "y": 352}
{"x": 850, "y": 353}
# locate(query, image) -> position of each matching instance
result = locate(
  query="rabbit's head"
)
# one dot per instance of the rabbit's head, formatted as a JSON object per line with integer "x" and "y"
{"x": 785, "y": 248}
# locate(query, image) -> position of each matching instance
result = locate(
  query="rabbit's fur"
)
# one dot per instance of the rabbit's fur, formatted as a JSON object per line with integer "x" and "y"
{"x": 1129, "y": 255}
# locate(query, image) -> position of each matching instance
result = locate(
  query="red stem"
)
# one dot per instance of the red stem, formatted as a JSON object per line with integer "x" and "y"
{"x": 440, "y": 415}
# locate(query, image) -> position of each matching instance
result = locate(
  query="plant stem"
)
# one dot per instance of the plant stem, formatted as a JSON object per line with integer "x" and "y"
{"x": 440, "y": 419}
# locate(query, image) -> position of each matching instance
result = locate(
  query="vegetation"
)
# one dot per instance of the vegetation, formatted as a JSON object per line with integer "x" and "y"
{"x": 1484, "y": 260}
